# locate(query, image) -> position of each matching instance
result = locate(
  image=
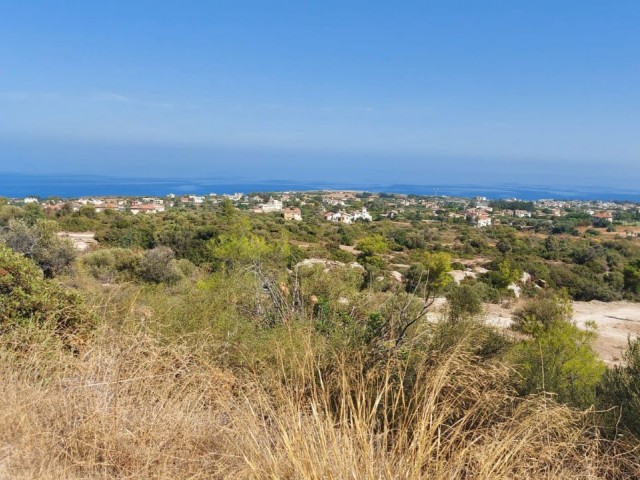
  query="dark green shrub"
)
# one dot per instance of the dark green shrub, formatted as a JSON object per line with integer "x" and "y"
{"x": 111, "y": 264}
{"x": 40, "y": 243}
{"x": 464, "y": 302}
{"x": 542, "y": 313}
{"x": 158, "y": 265}
{"x": 27, "y": 297}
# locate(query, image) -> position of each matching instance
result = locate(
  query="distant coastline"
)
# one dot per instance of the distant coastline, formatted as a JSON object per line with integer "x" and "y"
{"x": 17, "y": 185}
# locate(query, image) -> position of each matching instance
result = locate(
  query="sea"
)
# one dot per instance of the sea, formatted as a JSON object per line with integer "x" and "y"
{"x": 15, "y": 185}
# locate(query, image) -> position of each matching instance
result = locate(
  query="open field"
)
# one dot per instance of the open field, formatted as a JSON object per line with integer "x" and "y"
{"x": 616, "y": 321}
{"x": 631, "y": 232}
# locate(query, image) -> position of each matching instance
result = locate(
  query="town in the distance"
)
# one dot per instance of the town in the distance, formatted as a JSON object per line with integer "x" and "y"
{"x": 347, "y": 207}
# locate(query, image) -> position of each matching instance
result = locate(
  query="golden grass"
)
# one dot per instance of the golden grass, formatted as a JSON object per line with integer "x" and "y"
{"x": 128, "y": 406}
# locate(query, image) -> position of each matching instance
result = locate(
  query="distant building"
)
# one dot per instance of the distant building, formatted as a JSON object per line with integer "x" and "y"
{"x": 362, "y": 215}
{"x": 483, "y": 221}
{"x": 271, "y": 206}
{"x": 101, "y": 207}
{"x": 236, "y": 197}
{"x": 147, "y": 208}
{"x": 292, "y": 214}
{"x": 522, "y": 213}
{"x": 605, "y": 216}
{"x": 341, "y": 217}
{"x": 341, "y": 196}
{"x": 348, "y": 218}
{"x": 53, "y": 207}
{"x": 479, "y": 218}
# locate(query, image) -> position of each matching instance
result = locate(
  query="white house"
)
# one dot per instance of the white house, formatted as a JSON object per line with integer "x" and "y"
{"x": 341, "y": 217}
{"x": 483, "y": 221}
{"x": 271, "y": 206}
{"x": 479, "y": 218}
{"x": 362, "y": 215}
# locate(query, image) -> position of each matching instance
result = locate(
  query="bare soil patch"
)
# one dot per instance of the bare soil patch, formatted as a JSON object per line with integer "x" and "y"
{"x": 616, "y": 321}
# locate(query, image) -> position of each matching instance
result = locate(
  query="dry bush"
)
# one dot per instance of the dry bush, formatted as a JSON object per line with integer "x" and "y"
{"x": 455, "y": 419}
{"x": 128, "y": 406}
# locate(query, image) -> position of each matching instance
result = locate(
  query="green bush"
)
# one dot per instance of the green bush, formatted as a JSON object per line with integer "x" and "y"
{"x": 503, "y": 275}
{"x": 464, "y": 301}
{"x": 558, "y": 357}
{"x": 40, "y": 243}
{"x": 632, "y": 277}
{"x": 542, "y": 313}
{"x": 27, "y": 297}
{"x": 158, "y": 265}
{"x": 619, "y": 391}
{"x": 430, "y": 274}
{"x": 111, "y": 264}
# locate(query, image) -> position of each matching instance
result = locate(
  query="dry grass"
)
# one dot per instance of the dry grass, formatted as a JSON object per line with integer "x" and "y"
{"x": 130, "y": 407}
{"x": 125, "y": 408}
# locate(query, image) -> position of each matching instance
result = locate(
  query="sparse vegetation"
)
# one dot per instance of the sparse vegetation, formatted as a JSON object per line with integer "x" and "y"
{"x": 213, "y": 343}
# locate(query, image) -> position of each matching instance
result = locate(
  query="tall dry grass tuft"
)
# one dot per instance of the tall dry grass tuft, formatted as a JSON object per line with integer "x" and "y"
{"x": 454, "y": 418}
{"x": 128, "y": 406}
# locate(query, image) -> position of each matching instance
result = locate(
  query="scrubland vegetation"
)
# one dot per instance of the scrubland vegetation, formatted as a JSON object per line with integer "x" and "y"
{"x": 211, "y": 343}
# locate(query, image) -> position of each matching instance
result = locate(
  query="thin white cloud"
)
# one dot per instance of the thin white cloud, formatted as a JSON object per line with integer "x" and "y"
{"x": 116, "y": 97}
{"x": 26, "y": 96}
{"x": 120, "y": 98}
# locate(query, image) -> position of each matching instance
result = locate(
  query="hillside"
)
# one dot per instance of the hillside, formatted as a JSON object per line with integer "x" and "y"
{"x": 220, "y": 342}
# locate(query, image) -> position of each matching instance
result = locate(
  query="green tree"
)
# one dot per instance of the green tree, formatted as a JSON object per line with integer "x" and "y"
{"x": 632, "y": 277}
{"x": 227, "y": 209}
{"x": 430, "y": 275}
{"x": 371, "y": 248}
{"x": 503, "y": 276}
{"x": 88, "y": 211}
{"x": 464, "y": 301}
{"x": 504, "y": 246}
{"x": 235, "y": 249}
{"x": 32, "y": 213}
{"x": 558, "y": 357}
{"x": 372, "y": 245}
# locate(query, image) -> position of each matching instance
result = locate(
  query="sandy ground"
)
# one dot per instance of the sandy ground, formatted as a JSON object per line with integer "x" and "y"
{"x": 82, "y": 241}
{"x": 615, "y": 320}
{"x": 350, "y": 249}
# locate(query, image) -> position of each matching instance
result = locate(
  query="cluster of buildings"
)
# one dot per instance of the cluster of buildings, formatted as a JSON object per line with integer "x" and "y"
{"x": 479, "y": 218}
{"x": 348, "y": 206}
{"x": 269, "y": 207}
{"x": 135, "y": 206}
{"x": 347, "y": 218}
{"x": 337, "y": 199}
{"x": 277, "y": 206}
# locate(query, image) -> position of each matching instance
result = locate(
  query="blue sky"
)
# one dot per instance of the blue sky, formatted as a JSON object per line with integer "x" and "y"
{"x": 410, "y": 91}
